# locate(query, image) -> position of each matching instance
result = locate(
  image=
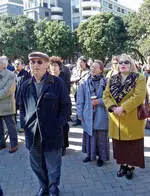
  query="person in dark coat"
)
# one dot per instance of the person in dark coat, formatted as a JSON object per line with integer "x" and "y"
{"x": 1, "y": 191}
{"x": 21, "y": 76}
{"x": 59, "y": 70}
{"x": 10, "y": 67}
{"x": 44, "y": 103}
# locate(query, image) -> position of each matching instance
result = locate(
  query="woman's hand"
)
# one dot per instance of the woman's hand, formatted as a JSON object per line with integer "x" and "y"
{"x": 95, "y": 102}
{"x": 119, "y": 111}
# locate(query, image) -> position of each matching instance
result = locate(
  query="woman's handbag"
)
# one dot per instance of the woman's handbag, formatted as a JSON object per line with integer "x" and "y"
{"x": 147, "y": 126}
{"x": 143, "y": 111}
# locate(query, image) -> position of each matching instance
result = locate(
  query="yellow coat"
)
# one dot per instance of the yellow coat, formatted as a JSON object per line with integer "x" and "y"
{"x": 127, "y": 127}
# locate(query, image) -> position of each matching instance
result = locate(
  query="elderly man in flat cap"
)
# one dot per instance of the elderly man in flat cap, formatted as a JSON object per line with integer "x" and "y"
{"x": 7, "y": 105}
{"x": 44, "y": 102}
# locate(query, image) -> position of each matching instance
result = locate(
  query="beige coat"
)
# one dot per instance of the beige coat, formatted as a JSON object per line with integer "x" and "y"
{"x": 127, "y": 127}
{"x": 7, "y": 93}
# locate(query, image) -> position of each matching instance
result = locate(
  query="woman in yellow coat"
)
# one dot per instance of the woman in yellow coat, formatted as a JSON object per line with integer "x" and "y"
{"x": 125, "y": 91}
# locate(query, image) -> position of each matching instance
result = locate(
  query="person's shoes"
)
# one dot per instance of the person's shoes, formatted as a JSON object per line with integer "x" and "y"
{"x": 87, "y": 159}
{"x": 63, "y": 151}
{"x": 130, "y": 172}
{"x": 122, "y": 171}
{"x": 76, "y": 123}
{"x": 2, "y": 147}
{"x": 54, "y": 190}
{"x": 42, "y": 192}
{"x": 13, "y": 149}
{"x": 100, "y": 162}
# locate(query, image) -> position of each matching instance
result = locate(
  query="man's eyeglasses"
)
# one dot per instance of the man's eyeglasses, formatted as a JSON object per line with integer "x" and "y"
{"x": 39, "y": 62}
{"x": 124, "y": 62}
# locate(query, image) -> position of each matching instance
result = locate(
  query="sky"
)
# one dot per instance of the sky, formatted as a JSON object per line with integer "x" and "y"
{"x": 132, "y": 4}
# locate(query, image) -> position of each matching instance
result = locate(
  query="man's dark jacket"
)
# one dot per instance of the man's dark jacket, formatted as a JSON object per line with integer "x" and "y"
{"x": 48, "y": 113}
{"x": 22, "y": 76}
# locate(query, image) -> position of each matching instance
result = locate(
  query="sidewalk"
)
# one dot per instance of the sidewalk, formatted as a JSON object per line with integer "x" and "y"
{"x": 78, "y": 178}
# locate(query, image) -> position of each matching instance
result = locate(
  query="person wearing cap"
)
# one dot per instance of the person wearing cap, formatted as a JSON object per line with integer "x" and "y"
{"x": 44, "y": 103}
{"x": 7, "y": 105}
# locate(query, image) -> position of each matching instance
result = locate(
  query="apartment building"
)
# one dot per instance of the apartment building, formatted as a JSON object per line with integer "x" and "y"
{"x": 70, "y": 11}
{"x": 75, "y": 13}
{"x": 92, "y": 7}
{"x": 11, "y": 7}
{"x": 40, "y": 9}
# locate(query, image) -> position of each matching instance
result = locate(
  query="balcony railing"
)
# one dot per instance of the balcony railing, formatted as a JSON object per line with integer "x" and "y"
{"x": 90, "y": 4}
{"x": 56, "y": 17}
{"x": 56, "y": 9}
{"x": 90, "y": 13}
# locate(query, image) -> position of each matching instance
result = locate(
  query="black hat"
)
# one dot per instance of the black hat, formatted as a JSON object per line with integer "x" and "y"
{"x": 34, "y": 55}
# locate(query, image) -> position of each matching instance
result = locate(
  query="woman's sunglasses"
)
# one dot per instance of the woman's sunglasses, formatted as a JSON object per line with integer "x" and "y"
{"x": 124, "y": 62}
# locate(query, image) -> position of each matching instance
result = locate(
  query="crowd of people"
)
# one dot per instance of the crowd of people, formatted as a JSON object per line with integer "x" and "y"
{"x": 106, "y": 105}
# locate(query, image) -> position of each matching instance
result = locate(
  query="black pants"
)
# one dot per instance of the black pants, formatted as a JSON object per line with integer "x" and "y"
{"x": 45, "y": 165}
{"x": 65, "y": 135}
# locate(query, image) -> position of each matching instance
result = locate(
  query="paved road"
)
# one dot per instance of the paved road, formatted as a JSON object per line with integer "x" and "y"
{"x": 78, "y": 178}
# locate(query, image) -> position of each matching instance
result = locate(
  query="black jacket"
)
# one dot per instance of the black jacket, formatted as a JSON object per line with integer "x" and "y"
{"x": 48, "y": 113}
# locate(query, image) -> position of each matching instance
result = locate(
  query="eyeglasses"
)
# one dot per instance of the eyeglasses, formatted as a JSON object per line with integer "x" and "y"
{"x": 124, "y": 62}
{"x": 40, "y": 62}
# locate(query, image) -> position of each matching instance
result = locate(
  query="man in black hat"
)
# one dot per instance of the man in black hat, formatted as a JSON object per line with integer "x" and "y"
{"x": 44, "y": 102}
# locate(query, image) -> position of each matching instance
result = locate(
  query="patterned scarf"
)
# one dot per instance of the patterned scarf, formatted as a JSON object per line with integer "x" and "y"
{"x": 119, "y": 89}
{"x": 95, "y": 82}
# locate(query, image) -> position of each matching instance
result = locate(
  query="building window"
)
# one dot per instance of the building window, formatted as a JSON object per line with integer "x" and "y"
{"x": 86, "y": 17}
{"x": 75, "y": 10}
{"x": 118, "y": 9}
{"x": 122, "y": 10}
{"x": 45, "y": 5}
{"x": 95, "y": 8}
{"x": 86, "y": 8}
{"x": 110, "y": 6}
{"x": 47, "y": 14}
{"x": 105, "y": 4}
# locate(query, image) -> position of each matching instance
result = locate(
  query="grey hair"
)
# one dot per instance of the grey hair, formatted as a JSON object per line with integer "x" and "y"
{"x": 3, "y": 61}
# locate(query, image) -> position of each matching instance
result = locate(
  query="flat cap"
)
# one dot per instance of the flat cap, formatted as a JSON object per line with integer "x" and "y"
{"x": 34, "y": 55}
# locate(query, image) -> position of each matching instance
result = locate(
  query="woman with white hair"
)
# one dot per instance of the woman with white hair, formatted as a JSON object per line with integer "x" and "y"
{"x": 7, "y": 105}
{"x": 125, "y": 91}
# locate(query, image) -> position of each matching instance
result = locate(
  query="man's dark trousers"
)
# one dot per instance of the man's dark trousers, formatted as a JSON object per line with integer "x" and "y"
{"x": 46, "y": 165}
{"x": 11, "y": 126}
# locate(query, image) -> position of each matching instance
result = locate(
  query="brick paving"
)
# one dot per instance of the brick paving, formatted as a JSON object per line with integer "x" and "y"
{"x": 78, "y": 178}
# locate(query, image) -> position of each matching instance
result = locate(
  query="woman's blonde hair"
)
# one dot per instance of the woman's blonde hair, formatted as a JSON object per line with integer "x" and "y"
{"x": 126, "y": 57}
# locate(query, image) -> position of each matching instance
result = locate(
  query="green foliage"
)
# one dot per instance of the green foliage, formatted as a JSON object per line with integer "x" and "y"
{"x": 102, "y": 35}
{"x": 17, "y": 37}
{"x": 55, "y": 38}
{"x": 138, "y": 29}
{"x": 144, "y": 16}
